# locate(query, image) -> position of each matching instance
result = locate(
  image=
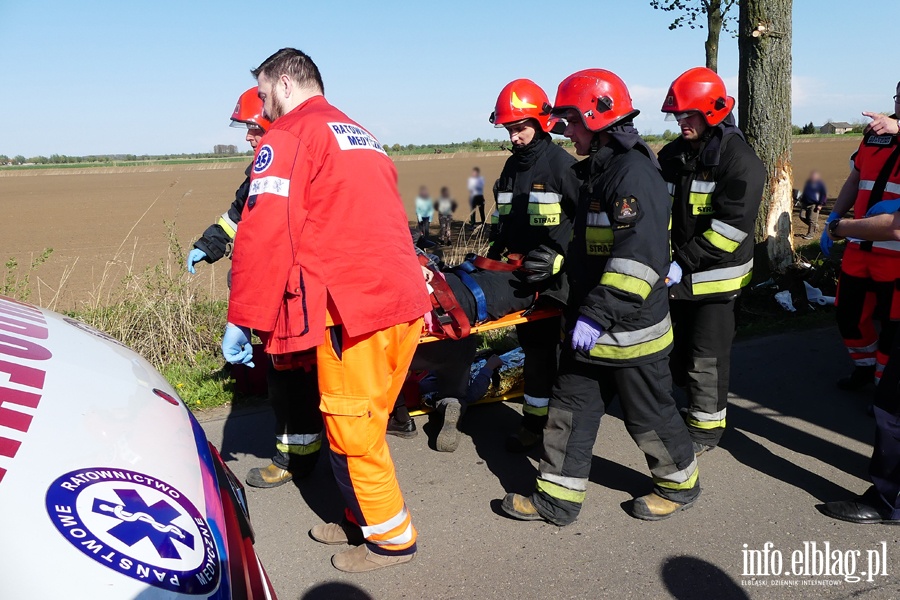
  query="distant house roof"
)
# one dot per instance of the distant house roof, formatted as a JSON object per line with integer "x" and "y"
{"x": 840, "y": 124}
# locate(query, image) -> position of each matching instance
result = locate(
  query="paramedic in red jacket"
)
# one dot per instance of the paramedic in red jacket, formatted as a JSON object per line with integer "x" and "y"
{"x": 305, "y": 275}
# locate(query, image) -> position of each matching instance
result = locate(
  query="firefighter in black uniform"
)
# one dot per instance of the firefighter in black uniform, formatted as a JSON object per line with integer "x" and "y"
{"x": 536, "y": 197}
{"x": 618, "y": 315}
{"x": 293, "y": 392}
{"x": 716, "y": 182}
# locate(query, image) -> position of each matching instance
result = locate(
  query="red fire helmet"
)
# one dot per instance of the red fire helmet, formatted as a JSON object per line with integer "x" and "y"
{"x": 599, "y": 96}
{"x": 249, "y": 111}
{"x": 702, "y": 90}
{"x": 519, "y": 100}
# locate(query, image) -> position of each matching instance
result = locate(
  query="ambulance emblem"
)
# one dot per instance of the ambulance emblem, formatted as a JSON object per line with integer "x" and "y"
{"x": 137, "y": 525}
{"x": 263, "y": 159}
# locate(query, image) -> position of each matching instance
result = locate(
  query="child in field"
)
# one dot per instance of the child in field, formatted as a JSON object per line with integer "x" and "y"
{"x": 424, "y": 210}
{"x": 445, "y": 206}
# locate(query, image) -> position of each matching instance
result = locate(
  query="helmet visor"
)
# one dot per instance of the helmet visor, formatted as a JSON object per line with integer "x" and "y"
{"x": 679, "y": 116}
{"x": 245, "y": 125}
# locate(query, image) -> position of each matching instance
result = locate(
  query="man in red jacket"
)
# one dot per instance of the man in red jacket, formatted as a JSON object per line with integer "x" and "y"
{"x": 302, "y": 278}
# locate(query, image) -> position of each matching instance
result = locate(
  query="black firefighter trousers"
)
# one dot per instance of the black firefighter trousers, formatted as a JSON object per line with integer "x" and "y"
{"x": 294, "y": 395}
{"x": 701, "y": 362}
{"x": 578, "y": 402}
{"x": 540, "y": 343}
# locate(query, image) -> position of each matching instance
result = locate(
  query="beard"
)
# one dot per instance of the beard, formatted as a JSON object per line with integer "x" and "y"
{"x": 277, "y": 109}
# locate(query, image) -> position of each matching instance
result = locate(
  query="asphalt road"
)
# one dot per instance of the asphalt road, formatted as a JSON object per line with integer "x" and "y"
{"x": 793, "y": 441}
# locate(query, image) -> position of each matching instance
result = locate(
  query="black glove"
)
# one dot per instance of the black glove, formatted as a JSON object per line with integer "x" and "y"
{"x": 542, "y": 263}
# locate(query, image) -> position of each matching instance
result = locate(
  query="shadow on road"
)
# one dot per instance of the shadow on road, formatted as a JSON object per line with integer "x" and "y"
{"x": 689, "y": 578}
{"x": 249, "y": 432}
{"x": 489, "y": 425}
{"x": 335, "y": 590}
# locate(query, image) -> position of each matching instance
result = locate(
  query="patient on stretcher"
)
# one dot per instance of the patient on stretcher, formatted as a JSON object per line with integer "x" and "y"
{"x": 481, "y": 290}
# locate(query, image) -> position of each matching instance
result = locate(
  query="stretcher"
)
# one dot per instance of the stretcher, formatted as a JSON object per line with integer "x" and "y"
{"x": 515, "y": 392}
{"x": 516, "y": 318}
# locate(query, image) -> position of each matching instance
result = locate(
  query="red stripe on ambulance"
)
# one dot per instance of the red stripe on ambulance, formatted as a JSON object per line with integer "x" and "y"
{"x": 20, "y": 325}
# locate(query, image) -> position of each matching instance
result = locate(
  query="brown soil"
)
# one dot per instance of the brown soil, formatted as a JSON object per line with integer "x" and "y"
{"x": 110, "y": 220}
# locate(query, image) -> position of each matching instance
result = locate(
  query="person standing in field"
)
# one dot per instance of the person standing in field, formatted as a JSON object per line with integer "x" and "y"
{"x": 424, "y": 211}
{"x": 867, "y": 287}
{"x": 293, "y": 392}
{"x": 812, "y": 201}
{"x": 476, "y": 195}
{"x": 445, "y": 207}
{"x": 716, "y": 183}
{"x": 536, "y": 195}
{"x": 320, "y": 179}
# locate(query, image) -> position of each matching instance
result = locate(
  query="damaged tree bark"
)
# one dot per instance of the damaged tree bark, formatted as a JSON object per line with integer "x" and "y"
{"x": 764, "y": 110}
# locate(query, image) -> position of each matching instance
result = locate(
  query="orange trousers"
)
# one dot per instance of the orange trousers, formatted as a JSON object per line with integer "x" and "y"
{"x": 359, "y": 380}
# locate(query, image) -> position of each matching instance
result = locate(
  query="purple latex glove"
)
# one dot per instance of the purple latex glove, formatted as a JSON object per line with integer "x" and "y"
{"x": 585, "y": 334}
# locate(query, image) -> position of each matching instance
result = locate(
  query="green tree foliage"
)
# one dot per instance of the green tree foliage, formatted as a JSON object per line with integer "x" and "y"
{"x": 715, "y": 15}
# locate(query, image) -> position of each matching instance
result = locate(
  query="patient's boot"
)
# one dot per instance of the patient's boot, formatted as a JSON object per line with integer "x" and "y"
{"x": 448, "y": 437}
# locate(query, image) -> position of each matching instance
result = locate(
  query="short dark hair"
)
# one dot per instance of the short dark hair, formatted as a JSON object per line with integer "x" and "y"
{"x": 294, "y": 63}
{"x": 477, "y": 170}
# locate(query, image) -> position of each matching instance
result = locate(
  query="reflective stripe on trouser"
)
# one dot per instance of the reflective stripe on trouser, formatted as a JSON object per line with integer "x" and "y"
{"x": 576, "y": 406}
{"x": 360, "y": 379}
{"x": 885, "y": 463}
{"x": 860, "y": 302}
{"x": 294, "y": 396}
{"x": 700, "y": 361}
{"x": 540, "y": 344}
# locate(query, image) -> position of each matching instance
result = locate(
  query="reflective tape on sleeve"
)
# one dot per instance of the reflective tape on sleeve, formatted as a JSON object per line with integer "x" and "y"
{"x": 227, "y": 225}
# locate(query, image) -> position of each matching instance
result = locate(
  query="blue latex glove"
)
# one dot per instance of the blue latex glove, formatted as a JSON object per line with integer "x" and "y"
{"x": 236, "y": 346}
{"x": 194, "y": 256}
{"x": 885, "y": 207}
{"x": 674, "y": 275}
{"x": 826, "y": 242}
{"x": 585, "y": 334}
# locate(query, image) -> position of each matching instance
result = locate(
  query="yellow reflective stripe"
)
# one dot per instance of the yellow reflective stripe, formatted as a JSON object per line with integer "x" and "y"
{"x": 544, "y": 209}
{"x": 539, "y": 411}
{"x": 228, "y": 226}
{"x": 720, "y": 241}
{"x": 599, "y": 240}
{"x": 696, "y": 198}
{"x": 724, "y": 285}
{"x": 504, "y": 209}
{"x": 543, "y": 220}
{"x": 559, "y": 492}
{"x": 626, "y": 283}
{"x": 299, "y": 449}
{"x": 671, "y": 485}
{"x": 557, "y": 263}
{"x": 634, "y": 351}
{"x": 706, "y": 424}
{"x": 599, "y": 235}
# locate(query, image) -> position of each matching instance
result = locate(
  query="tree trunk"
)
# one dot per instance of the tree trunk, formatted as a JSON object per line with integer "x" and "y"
{"x": 714, "y": 20}
{"x": 764, "y": 105}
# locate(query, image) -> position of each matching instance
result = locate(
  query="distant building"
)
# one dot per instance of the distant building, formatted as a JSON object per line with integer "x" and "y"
{"x": 839, "y": 127}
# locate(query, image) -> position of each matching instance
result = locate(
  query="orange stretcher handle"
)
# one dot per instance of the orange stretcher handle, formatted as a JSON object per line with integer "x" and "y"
{"x": 523, "y": 316}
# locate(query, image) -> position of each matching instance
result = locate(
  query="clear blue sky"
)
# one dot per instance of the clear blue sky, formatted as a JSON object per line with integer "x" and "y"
{"x": 162, "y": 77}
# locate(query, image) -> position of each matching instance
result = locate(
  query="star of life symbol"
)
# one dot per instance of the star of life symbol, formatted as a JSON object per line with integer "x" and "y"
{"x": 263, "y": 159}
{"x": 140, "y": 521}
{"x": 138, "y": 526}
